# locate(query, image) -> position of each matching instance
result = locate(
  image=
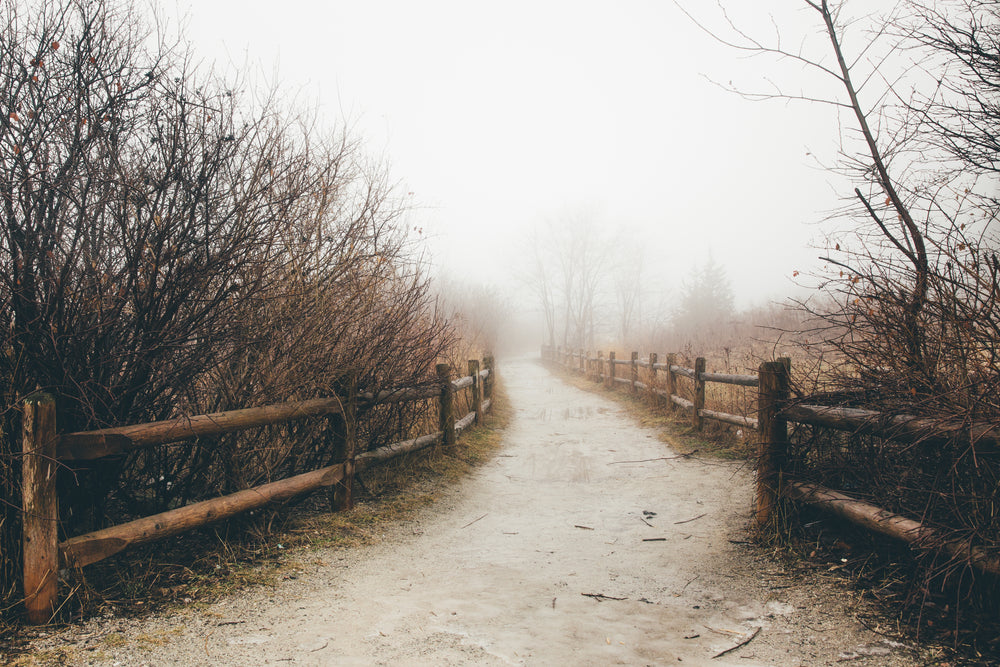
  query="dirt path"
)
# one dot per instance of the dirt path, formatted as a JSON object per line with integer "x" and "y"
{"x": 557, "y": 552}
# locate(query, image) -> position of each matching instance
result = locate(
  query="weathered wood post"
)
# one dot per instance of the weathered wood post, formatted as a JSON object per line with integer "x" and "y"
{"x": 599, "y": 375}
{"x": 634, "y": 370}
{"x": 477, "y": 390}
{"x": 41, "y": 507}
{"x": 699, "y": 393}
{"x": 611, "y": 369}
{"x": 653, "y": 358}
{"x": 773, "y": 391}
{"x": 446, "y": 415}
{"x": 488, "y": 380}
{"x": 583, "y": 361}
{"x": 671, "y": 381}
{"x": 344, "y": 427}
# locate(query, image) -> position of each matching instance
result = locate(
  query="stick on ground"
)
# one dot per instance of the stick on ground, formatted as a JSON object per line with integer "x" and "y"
{"x": 744, "y": 642}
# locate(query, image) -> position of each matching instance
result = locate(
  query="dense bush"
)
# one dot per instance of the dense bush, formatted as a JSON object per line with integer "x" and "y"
{"x": 172, "y": 244}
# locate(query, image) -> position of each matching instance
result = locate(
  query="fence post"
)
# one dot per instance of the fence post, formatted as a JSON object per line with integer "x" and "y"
{"x": 345, "y": 429}
{"x": 599, "y": 375}
{"x": 699, "y": 393}
{"x": 611, "y": 369}
{"x": 488, "y": 380}
{"x": 652, "y": 377}
{"x": 671, "y": 381}
{"x": 634, "y": 377}
{"x": 477, "y": 393}
{"x": 773, "y": 448}
{"x": 40, "y": 507}
{"x": 446, "y": 416}
{"x": 583, "y": 361}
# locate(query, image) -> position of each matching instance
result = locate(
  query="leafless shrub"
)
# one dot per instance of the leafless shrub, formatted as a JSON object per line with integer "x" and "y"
{"x": 167, "y": 247}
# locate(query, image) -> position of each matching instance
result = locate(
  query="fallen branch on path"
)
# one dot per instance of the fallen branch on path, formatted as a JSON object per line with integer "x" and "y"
{"x": 473, "y": 521}
{"x": 600, "y": 596}
{"x": 659, "y": 458}
{"x": 740, "y": 644}
{"x": 582, "y": 527}
{"x": 694, "y": 518}
{"x": 654, "y": 539}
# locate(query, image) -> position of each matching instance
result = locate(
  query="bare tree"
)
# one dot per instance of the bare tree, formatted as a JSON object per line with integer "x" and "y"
{"x": 628, "y": 284}
{"x": 914, "y": 318}
{"x": 569, "y": 269}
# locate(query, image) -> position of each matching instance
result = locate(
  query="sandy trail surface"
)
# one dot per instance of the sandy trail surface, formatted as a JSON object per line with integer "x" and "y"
{"x": 586, "y": 541}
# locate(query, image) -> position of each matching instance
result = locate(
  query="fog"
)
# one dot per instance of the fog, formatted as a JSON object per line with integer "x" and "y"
{"x": 498, "y": 118}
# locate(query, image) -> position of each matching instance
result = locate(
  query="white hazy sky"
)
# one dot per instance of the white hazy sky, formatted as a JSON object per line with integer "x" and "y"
{"x": 499, "y": 116}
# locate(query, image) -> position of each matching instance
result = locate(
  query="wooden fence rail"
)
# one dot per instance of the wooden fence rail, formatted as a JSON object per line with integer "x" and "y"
{"x": 775, "y": 411}
{"x": 45, "y": 450}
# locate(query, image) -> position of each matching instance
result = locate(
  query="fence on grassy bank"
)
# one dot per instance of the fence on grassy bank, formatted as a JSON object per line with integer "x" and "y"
{"x": 46, "y": 452}
{"x": 775, "y": 410}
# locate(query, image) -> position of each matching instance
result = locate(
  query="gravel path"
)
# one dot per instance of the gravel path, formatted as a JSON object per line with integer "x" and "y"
{"x": 558, "y": 552}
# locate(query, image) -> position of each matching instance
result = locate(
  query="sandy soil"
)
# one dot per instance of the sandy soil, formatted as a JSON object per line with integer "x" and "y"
{"x": 560, "y": 551}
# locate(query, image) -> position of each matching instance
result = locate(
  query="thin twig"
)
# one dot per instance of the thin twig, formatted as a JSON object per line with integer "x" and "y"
{"x": 600, "y": 596}
{"x": 659, "y": 458}
{"x": 472, "y": 522}
{"x": 744, "y": 642}
{"x": 694, "y": 518}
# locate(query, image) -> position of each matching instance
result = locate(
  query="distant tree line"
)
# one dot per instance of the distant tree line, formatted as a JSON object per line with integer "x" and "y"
{"x": 593, "y": 290}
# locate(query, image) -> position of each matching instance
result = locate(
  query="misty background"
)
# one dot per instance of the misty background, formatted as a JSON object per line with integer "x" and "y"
{"x": 497, "y": 121}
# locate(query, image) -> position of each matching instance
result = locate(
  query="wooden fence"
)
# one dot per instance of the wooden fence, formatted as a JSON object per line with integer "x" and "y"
{"x": 46, "y": 451}
{"x": 774, "y": 412}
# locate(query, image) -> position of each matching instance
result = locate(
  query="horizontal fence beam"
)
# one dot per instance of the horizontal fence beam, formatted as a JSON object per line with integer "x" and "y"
{"x": 92, "y": 547}
{"x": 887, "y": 523}
{"x": 893, "y": 427}
{"x": 462, "y": 383}
{"x": 683, "y": 402}
{"x": 88, "y": 445}
{"x": 401, "y": 395}
{"x": 386, "y": 452}
{"x": 727, "y": 378}
{"x": 735, "y": 420}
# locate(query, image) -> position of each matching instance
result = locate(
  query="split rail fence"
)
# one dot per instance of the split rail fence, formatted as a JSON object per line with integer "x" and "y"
{"x": 46, "y": 452}
{"x": 774, "y": 412}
